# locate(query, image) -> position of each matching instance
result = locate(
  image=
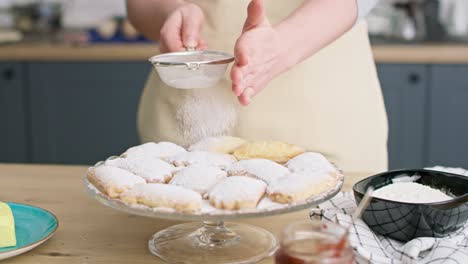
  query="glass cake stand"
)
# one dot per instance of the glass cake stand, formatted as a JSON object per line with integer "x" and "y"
{"x": 208, "y": 239}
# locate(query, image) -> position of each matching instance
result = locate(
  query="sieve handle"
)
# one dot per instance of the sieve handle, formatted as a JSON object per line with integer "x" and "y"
{"x": 193, "y": 66}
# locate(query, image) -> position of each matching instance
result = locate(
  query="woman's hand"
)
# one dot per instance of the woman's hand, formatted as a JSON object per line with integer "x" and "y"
{"x": 257, "y": 53}
{"x": 182, "y": 29}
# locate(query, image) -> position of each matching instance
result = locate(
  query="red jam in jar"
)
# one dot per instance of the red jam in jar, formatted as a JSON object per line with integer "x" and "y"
{"x": 313, "y": 243}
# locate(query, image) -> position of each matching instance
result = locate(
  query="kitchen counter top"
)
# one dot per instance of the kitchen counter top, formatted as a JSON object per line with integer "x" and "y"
{"x": 62, "y": 52}
{"x": 90, "y": 232}
{"x": 393, "y": 53}
{"x": 423, "y": 54}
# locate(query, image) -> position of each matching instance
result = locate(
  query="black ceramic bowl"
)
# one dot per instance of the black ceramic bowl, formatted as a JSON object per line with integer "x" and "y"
{"x": 405, "y": 221}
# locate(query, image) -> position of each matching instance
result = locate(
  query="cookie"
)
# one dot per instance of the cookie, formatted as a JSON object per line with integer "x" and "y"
{"x": 221, "y": 144}
{"x": 202, "y": 158}
{"x": 310, "y": 162}
{"x": 262, "y": 169}
{"x": 276, "y": 151}
{"x": 296, "y": 187}
{"x": 237, "y": 192}
{"x": 163, "y": 195}
{"x": 155, "y": 150}
{"x": 112, "y": 181}
{"x": 153, "y": 170}
{"x": 199, "y": 178}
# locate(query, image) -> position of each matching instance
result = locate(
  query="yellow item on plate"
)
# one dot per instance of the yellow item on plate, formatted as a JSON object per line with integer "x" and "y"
{"x": 278, "y": 151}
{"x": 7, "y": 226}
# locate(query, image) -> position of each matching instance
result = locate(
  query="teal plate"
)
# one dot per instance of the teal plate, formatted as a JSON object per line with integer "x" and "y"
{"x": 33, "y": 227}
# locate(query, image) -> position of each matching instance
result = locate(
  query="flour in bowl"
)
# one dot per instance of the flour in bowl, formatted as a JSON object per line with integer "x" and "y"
{"x": 410, "y": 192}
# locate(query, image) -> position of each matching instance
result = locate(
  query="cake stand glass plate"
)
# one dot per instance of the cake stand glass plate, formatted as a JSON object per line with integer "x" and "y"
{"x": 208, "y": 239}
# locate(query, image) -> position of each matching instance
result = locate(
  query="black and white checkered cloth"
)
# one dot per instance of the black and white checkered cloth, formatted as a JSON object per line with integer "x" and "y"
{"x": 374, "y": 248}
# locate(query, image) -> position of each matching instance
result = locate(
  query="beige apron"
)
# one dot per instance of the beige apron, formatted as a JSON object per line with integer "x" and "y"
{"x": 330, "y": 103}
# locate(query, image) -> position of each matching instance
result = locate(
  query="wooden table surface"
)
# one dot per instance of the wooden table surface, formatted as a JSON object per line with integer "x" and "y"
{"x": 90, "y": 232}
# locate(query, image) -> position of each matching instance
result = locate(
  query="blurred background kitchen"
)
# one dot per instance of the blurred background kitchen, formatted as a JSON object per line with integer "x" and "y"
{"x": 71, "y": 73}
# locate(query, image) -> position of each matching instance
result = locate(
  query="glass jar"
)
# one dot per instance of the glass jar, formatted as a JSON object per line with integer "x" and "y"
{"x": 313, "y": 242}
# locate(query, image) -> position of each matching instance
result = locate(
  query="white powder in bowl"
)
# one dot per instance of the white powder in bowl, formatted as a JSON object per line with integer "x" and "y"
{"x": 410, "y": 192}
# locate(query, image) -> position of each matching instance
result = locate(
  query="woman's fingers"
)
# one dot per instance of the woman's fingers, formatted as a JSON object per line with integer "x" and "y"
{"x": 202, "y": 45}
{"x": 170, "y": 40}
{"x": 250, "y": 91}
{"x": 241, "y": 51}
{"x": 246, "y": 96}
{"x": 253, "y": 84}
{"x": 239, "y": 87}
{"x": 182, "y": 29}
{"x": 255, "y": 15}
{"x": 256, "y": 53}
{"x": 238, "y": 73}
{"x": 192, "y": 21}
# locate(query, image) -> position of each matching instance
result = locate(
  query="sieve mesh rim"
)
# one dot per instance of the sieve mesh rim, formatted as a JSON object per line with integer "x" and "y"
{"x": 157, "y": 60}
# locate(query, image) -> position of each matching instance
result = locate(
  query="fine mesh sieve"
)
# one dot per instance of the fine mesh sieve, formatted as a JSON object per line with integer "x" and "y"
{"x": 191, "y": 69}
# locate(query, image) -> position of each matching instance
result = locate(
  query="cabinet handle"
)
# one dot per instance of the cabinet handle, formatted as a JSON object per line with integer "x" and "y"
{"x": 8, "y": 74}
{"x": 414, "y": 78}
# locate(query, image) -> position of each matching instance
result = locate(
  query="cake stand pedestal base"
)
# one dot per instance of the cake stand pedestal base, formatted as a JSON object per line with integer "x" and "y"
{"x": 213, "y": 242}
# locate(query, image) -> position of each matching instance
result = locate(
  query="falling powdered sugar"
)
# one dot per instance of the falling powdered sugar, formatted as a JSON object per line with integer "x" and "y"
{"x": 410, "y": 192}
{"x": 206, "y": 113}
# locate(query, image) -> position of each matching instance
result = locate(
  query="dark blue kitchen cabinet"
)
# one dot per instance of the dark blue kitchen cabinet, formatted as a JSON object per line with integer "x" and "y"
{"x": 448, "y": 128}
{"x": 405, "y": 93}
{"x": 13, "y": 114}
{"x": 83, "y": 112}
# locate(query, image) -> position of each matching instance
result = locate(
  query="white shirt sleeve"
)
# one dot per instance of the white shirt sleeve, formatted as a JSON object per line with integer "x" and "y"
{"x": 364, "y": 8}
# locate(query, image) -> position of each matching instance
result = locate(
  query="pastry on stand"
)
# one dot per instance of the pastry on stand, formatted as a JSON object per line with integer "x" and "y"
{"x": 209, "y": 186}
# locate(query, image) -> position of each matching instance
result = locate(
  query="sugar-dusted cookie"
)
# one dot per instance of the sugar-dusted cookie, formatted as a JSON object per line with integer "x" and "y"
{"x": 153, "y": 170}
{"x": 221, "y": 144}
{"x": 263, "y": 169}
{"x": 199, "y": 178}
{"x": 156, "y": 150}
{"x": 298, "y": 187}
{"x": 237, "y": 192}
{"x": 202, "y": 158}
{"x": 163, "y": 195}
{"x": 310, "y": 161}
{"x": 112, "y": 181}
{"x": 272, "y": 150}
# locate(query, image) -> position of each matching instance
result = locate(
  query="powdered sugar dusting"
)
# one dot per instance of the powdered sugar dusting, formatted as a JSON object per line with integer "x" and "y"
{"x": 310, "y": 161}
{"x": 263, "y": 169}
{"x": 237, "y": 189}
{"x": 296, "y": 183}
{"x": 147, "y": 167}
{"x": 159, "y": 150}
{"x": 202, "y": 158}
{"x": 164, "y": 195}
{"x": 199, "y": 178}
{"x": 110, "y": 176}
{"x": 221, "y": 144}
